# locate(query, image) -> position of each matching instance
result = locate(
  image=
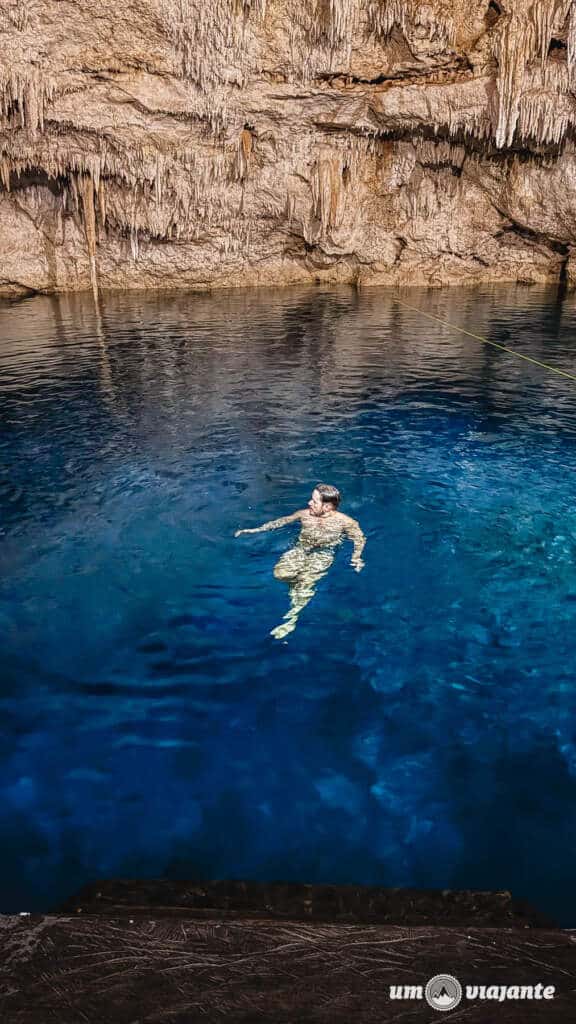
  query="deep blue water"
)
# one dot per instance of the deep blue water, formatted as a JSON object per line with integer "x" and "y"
{"x": 418, "y": 726}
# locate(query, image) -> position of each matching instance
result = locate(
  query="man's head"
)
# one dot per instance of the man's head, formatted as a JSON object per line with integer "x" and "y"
{"x": 324, "y": 497}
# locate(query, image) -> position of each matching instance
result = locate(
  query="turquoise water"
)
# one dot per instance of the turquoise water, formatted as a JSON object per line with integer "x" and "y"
{"x": 418, "y": 726}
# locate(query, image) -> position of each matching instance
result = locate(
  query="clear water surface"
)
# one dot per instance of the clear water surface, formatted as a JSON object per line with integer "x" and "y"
{"x": 418, "y": 726}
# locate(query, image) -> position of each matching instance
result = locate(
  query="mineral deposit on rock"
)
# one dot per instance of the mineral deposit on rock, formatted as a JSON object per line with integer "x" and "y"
{"x": 217, "y": 143}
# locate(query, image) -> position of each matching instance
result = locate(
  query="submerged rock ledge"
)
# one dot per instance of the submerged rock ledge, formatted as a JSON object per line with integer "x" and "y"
{"x": 125, "y": 952}
{"x": 344, "y": 904}
{"x": 196, "y": 144}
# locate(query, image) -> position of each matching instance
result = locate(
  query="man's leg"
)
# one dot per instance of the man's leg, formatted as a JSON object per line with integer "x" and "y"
{"x": 312, "y": 567}
{"x": 290, "y": 565}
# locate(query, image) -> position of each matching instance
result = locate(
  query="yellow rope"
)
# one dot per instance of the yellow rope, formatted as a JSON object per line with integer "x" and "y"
{"x": 495, "y": 344}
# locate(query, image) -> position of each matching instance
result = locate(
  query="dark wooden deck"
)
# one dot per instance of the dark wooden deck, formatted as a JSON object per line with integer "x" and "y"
{"x": 156, "y": 952}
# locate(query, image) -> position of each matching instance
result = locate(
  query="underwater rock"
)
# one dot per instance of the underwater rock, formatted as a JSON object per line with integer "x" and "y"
{"x": 232, "y": 951}
{"x": 180, "y": 143}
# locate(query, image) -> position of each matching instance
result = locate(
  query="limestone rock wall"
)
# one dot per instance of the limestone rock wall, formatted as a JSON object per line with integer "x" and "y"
{"x": 207, "y": 143}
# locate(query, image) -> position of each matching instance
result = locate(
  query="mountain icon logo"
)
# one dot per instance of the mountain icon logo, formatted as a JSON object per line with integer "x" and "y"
{"x": 443, "y": 992}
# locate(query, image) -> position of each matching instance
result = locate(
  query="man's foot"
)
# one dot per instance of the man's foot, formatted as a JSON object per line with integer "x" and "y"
{"x": 281, "y": 631}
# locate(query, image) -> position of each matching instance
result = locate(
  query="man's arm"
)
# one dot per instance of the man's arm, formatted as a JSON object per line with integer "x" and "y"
{"x": 274, "y": 524}
{"x": 355, "y": 534}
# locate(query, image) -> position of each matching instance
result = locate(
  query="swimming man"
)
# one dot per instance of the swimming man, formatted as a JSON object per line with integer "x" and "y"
{"x": 323, "y": 529}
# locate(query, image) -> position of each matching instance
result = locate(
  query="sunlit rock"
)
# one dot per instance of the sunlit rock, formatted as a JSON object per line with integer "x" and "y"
{"x": 180, "y": 143}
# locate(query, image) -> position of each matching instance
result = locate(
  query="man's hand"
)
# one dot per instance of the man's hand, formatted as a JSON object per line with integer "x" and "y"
{"x": 355, "y": 534}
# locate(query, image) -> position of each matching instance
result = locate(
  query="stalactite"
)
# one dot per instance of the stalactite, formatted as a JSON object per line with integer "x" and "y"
{"x": 86, "y": 190}
{"x": 321, "y": 36}
{"x": 147, "y": 191}
{"x": 515, "y": 44}
{"x": 328, "y": 190}
{"x": 160, "y": 176}
{"x": 190, "y": 185}
{"x": 546, "y": 110}
{"x": 101, "y": 196}
{"x": 385, "y": 15}
{"x": 26, "y": 95}
{"x": 195, "y": 176}
{"x": 134, "y": 243}
{"x": 60, "y": 223}
{"x": 441, "y": 28}
{"x": 453, "y": 119}
{"x": 74, "y": 193}
{"x": 244, "y": 154}
{"x": 19, "y": 16}
{"x": 426, "y": 196}
{"x": 571, "y": 45}
{"x": 342, "y": 21}
{"x": 302, "y": 58}
{"x": 525, "y": 34}
{"x": 5, "y": 170}
{"x": 438, "y": 153}
{"x": 246, "y": 7}
{"x": 290, "y": 208}
{"x": 211, "y": 37}
{"x": 547, "y": 14}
